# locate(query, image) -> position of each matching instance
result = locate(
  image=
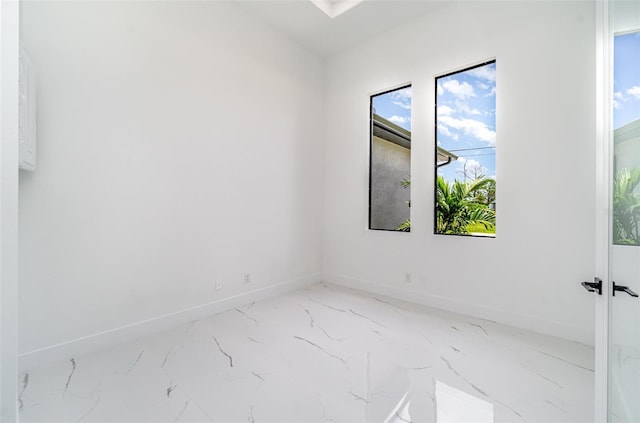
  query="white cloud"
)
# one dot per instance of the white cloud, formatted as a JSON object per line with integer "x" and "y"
{"x": 484, "y": 72}
{"x": 464, "y": 107}
{"x": 402, "y": 98}
{"x": 634, "y": 91}
{"x": 470, "y": 165}
{"x": 444, "y": 110}
{"x": 619, "y": 97}
{"x": 492, "y": 92}
{"x": 471, "y": 127}
{"x": 462, "y": 91}
{"x": 402, "y": 104}
{"x": 403, "y": 93}
{"x": 469, "y": 162}
{"x": 440, "y": 89}
{"x": 399, "y": 119}
{"x": 445, "y": 131}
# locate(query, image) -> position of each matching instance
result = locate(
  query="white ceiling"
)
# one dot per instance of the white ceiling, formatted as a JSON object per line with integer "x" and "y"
{"x": 306, "y": 24}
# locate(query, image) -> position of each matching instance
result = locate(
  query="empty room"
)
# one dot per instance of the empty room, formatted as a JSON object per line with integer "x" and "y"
{"x": 320, "y": 211}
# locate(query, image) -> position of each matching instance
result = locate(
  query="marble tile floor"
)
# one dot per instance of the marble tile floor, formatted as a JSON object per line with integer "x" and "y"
{"x": 322, "y": 354}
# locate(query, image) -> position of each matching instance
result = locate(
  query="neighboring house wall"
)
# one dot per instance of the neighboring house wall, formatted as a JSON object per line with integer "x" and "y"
{"x": 626, "y": 141}
{"x": 390, "y": 164}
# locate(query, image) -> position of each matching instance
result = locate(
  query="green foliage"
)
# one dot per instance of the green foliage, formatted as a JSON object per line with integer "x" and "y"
{"x": 626, "y": 207}
{"x": 486, "y": 195}
{"x": 404, "y": 226}
{"x": 478, "y": 228}
{"x": 461, "y": 204}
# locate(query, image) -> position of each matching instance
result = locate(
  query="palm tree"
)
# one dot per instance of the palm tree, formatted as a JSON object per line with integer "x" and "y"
{"x": 458, "y": 205}
{"x": 626, "y": 207}
{"x": 406, "y": 225}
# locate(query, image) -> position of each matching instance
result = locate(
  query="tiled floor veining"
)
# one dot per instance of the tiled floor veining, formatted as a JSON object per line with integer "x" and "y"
{"x": 322, "y": 354}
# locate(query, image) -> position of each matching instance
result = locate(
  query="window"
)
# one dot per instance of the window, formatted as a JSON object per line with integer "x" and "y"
{"x": 390, "y": 160}
{"x": 626, "y": 139}
{"x": 465, "y": 152}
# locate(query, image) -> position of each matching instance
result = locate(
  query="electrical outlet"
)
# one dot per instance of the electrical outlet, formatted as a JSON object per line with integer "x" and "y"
{"x": 218, "y": 284}
{"x": 407, "y": 277}
{"x": 247, "y": 278}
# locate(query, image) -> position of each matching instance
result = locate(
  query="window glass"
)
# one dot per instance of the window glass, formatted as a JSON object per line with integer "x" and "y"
{"x": 390, "y": 161}
{"x": 626, "y": 139}
{"x": 465, "y": 152}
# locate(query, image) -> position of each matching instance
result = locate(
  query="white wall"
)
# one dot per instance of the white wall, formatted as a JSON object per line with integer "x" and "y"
{"x": 9, "y": 31}
{"x": 179, "y": 142}
{"x": 529, "y": 275}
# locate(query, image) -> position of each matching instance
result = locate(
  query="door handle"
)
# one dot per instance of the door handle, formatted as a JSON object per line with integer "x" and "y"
{"x": 623, "y": 288}
{"x": 595, "y": 286}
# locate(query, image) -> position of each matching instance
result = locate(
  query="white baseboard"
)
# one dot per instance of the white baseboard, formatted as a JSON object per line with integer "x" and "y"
{"x": 109, "y": 338}
{"x": 522, "y": 321}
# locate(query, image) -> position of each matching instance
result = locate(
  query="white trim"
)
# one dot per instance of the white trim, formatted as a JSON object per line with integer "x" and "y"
{"x": 108, "y": 338}
{"x": 466, "y": 67}
{"x": 523, "y": 321}
{"x": 603, "y": 89}
{"x": 389, "y": 90}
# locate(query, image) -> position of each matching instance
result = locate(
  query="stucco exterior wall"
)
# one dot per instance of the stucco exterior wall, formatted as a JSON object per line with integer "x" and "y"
{"x": 390, "y": 164}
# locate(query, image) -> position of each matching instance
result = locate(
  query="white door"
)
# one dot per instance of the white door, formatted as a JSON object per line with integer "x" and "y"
{"x": 623, "y": 386}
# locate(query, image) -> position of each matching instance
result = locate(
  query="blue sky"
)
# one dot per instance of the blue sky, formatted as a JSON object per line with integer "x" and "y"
{"x": 626, "y": 79}
{"x": 466, "y": 120}
{"x": 395, "y": 106}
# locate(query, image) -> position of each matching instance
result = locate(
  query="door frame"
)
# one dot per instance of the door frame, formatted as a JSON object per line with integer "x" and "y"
{"x": 603, "y": 166}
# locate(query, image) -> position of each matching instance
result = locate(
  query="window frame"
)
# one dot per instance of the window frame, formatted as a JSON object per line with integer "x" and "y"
{"x": 369, "y": 205}
{"x": 435, "y": 148}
